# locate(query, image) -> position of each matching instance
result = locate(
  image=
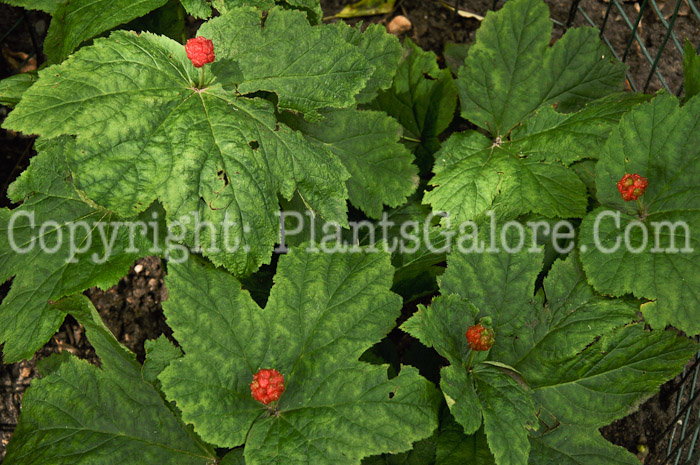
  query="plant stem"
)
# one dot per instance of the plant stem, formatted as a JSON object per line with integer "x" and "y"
{"x": 470, "y": 360}
{"x": 641, "y": 208}
{"x": 201, "y": 79}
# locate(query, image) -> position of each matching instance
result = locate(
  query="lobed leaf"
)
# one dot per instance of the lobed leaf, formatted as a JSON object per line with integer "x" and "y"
{"x": 81, "y": 414}
{"x": 367, "y": 142}
{"x": 208, "y": 153}
{"x": 308, "y": 67}
{"x": 510, "y": 71}
{"x": 573, "y": 445}
{"x": 324, "y": 311}
{"x": 575, "y": 357}
{"x": 74, "y": 22}
{"x": 527, "y": 173}
{"x": 657, "y": 258}
{"x": 55, "y": 244}
{"x": 422, "y": 98}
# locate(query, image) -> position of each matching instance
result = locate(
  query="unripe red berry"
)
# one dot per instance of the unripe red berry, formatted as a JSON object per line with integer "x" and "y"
{"x": 267, "y": 385}
{"x": 480, "y": 338}
{"x": 200, "y": 51}
{"x": 632, "y": 186}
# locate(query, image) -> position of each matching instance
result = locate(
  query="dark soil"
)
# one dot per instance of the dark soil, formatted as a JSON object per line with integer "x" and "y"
{"x": 132, "y": 308}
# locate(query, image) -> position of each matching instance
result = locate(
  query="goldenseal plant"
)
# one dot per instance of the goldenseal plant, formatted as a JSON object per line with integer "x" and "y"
{"x": 493, "y": 296}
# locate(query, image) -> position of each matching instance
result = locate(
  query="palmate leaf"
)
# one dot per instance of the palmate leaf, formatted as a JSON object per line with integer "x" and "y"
{"x": 422, "y": 98}
{"x": 367, "y": 142}
{"x": 484, "y": 391}
{"x": 573, "y": 445}
{"x": 208, "y": 153}
{"x": 584, "y": 360}
{"x": 382, "y": 50}
{"x": 659, "y": 141}
{"x": 324, "y": 311}
{"x": 81, "y": 414}
{"x": 527, "y": 173}
{"x": 510, "y": 71}
{"x": 317, "y": 67}
{"x": 75, "y": 21}
{"x": 89, "y": 248}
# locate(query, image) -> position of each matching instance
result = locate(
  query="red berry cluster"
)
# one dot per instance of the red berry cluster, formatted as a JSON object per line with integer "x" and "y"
{"x": 480, "y": 338}
{"x": 632, "y": 186}
{"x": 267, "y": 385}
{"x": 200, "y": 51}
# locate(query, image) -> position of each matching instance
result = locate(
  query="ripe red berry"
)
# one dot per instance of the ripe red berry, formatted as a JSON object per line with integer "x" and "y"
{"x": 200, "y": 51}
{"x": 480, "y": 338}
{"x": 632, "y": 186}
{"x": 267, "y": 385}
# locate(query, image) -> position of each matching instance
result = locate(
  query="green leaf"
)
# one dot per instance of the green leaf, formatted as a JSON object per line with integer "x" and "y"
{"x": 209, "y": 154}
{"x": 583, "y": 359}
{"x": 665, "y": 266}
{"x": 580, "y": 69}
{"x": 527, "y": 173}
{"x": 500, "y": 284}
{"x": 55, "y": 244}
{"x": 308, "y": 67}
{"x": 235, "y": 457}
{"x": 573, "y": 317}
{"x": 86, "y": 415}
{"x": 203, "y": 8}
{"x": 367, "y": 142}
{"x": 442, "y": 326}
{"x": 168, "y": 20}
{"x": 585, "y": 363}
{"x": 691, "y": 70}
{"x": 610, "y": 378}
{"x": 381, "y": 49}
{"x": 13, "y": 87}
{"x": 423, "y": 453}
{"x": 510, "y": 71}
{"x": 454, "y": 448}
{"x": 324, "y": 311}
{"x": 312, "y": 8}
{"x": 482, "y": 391}
{"x": 553, "y": 136}
{"x": 496, "y": 82}
{"x": 423, "y": 99}
{"x": 472, "y": 176}
{"x": 74, "y": 22}
{"x": 197, "y": 8}
{"x": 159, "y": 353}
{"x": 455, "y": 54}
{"x": 47, "y": 6}
{"x": 573, "y": 445}
{"x": 508, "y": 412}
{"x": 468, "y": 186}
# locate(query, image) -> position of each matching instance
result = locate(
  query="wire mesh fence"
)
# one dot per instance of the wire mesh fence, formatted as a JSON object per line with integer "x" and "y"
{"x": 681, "y": 434}
{"x": 660, "y": 42}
